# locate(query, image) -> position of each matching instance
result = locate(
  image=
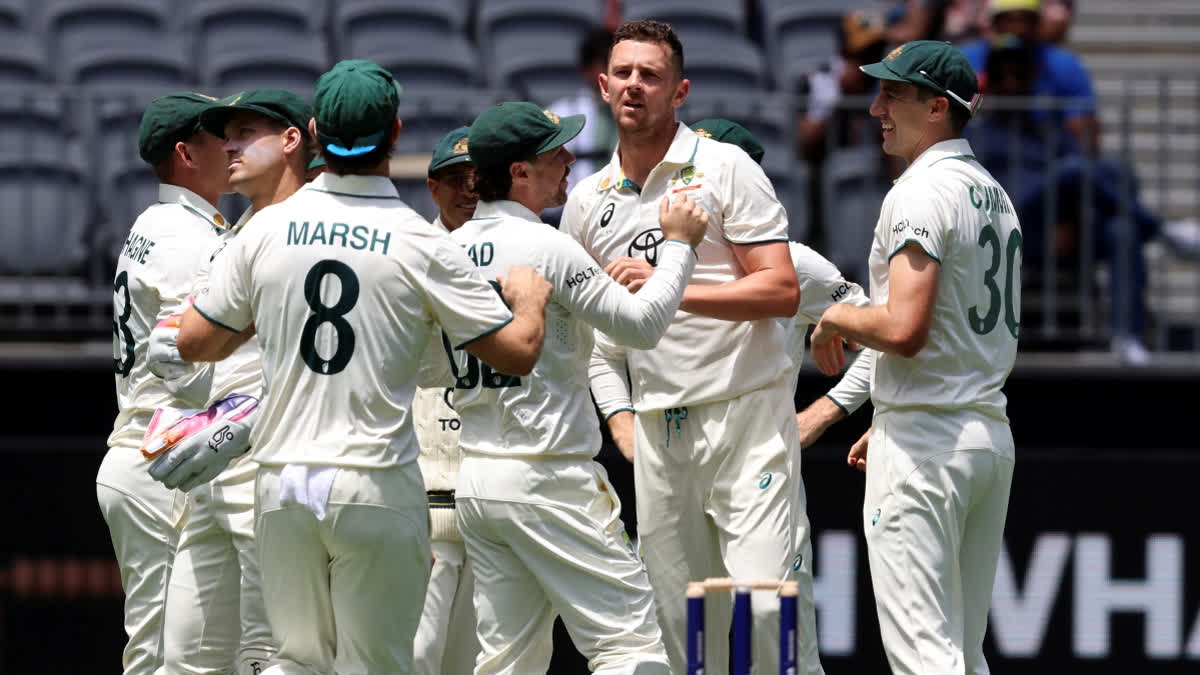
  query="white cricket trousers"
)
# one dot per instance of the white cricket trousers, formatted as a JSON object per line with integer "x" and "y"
{"x": 141, "y": 519}
{"x": 545, "y": 538}
{"x": 215, "y": 622}
{"x": 934, "y": 524}
{"x": 344, "y": 594}
{"x": 719, "y": 493}
{"x": 446, "y": 643}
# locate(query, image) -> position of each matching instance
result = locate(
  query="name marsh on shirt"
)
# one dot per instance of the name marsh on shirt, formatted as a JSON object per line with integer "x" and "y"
{"x": 299, "y": 234}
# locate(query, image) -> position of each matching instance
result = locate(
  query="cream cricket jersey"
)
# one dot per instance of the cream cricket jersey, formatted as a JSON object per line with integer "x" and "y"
{"x": 821, "y": 285}
{"x": 155, "y": 272}
{"x": 344, "y": 284}
{"x": 953, "y": 209}
{"x": 550, "y": 411}
{"x": 241, "y": 372}
{"x": 700, "y": 359}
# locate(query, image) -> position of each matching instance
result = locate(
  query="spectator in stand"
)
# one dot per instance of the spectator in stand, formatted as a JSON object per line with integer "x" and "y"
{"x": 909, "y": 20}
{"x": 1056, "y": 20}
{"x": 1037, "y": 155}
{"x": 863, "y": 40}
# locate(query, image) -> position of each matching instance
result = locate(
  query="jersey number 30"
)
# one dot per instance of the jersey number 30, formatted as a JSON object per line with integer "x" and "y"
{"x": 334, "y": 314}
{"x": 988, "y": 238}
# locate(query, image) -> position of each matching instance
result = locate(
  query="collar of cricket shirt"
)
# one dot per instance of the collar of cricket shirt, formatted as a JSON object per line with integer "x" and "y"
{"x": 950, "y": 149}
{"x": 351, "y": 185}
{"x": 504, "y": 208}
{"x": 682, "y": 152}
{"x": 194, "y": 203}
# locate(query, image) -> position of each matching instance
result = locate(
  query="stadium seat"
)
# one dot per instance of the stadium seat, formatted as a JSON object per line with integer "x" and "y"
{"x": 22, "y": 59}
{"x": 14, "y": 16}
{"x": 729, "y": 64}
{"x": 547, "y": 17}
{"x": 423, "y": 60}
{"x": 429, "y": 115}
{"x": 271, "y": 61}
{"x": 34, "y": 125}
{"x": 800, "y": 35}
{"x": 544, "y": 73}
{"x": 852, "y": 191}
{"x": 153, "y": 62}
{"x": 714, "y": 17}
{"x": 375, "y": 21}
{"x": 44, "y": 222}
{"x": 75, "y": 25}
{"x": 219, "y": 26}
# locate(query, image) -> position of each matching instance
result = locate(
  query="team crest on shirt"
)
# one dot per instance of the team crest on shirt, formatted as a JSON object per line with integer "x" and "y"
{"x": 461, "y": 146}
{"x": 686, "y": 175}
{"x": 704, "y": 132}
{"x": 550, "y": 116}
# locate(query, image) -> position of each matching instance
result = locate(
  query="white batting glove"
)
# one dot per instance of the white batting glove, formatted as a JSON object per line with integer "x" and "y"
{"x": 188, "y": 381}
{"x": 198, "y": 447}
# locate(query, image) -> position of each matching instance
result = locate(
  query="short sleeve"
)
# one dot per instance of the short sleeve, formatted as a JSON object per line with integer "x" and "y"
{"x": 913, "y": 212}
{"x": 751, "y": 212}
{"x": 226, "y": 299}
{"x": 466, "y": 306}
{"x": 821, "y": 284}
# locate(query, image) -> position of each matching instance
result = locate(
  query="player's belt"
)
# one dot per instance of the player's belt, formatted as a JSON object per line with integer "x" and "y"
{"x": 441, "y": 499}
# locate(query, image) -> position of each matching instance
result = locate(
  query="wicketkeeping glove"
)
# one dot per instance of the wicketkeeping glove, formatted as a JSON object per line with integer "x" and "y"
{"x": 188, "y": 381}
{"x": 200, "y": 444}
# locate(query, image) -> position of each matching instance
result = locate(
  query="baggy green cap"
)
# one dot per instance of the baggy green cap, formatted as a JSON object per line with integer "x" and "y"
{"x": 169, "y": 120}
{"x": 280, "y": 105}
{"x": 933, "y": 64}
{"x": 515, "y": 130}
{"x": 728, "y": 131}
{"x": 450, "y": 150}
{"x": 355, "y": 107}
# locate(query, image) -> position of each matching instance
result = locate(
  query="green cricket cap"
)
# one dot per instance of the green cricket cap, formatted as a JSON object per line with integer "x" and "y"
{"x": 355, "y": 107}
{"x": 728, "y": 131}
{"x": 280, "y": 105}
{"x": 450, "y": 150}
{"x": 933, "y": 64}
{"x": 515, "y": 130}
{"x": 169, "y": 120}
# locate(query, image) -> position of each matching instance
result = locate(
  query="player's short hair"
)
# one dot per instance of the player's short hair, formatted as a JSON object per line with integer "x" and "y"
{"x": 494, "y": 183}
{"x": 959, "y": 116}
{"x": 655, "y": 32}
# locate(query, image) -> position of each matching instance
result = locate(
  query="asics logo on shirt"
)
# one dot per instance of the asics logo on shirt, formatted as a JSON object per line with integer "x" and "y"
{"x": 645, "y": 245}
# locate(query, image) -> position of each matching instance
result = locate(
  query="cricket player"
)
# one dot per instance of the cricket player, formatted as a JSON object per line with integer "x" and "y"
{"x": 540, "y": 519}
{"x": 345, "y": 283}
{"x": 821, "y": 285}
{"x": 445, "y": 641}
{"x": 158, "y": 262}
{"x": 216, "y": 623}
{"x": 946, "y": 299}
{"x": 716, "y": 459}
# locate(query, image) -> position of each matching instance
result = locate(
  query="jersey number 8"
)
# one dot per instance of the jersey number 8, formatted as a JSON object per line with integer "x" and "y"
{"x": 334, "y": 315}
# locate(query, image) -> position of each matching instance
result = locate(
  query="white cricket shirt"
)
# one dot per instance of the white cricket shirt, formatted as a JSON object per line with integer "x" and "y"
{"x": 956, "y": 211}
{"x": 155, "y": 271}
{"x": 700, "y": 359}
{"x": 550, "y": 411}
{"x": 344, "y": 284}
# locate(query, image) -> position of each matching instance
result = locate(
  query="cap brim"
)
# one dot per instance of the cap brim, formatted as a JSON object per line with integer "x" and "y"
{"x": 568, "y": 128}
{"x": 881, "y": 72}
{"x": 214, "y": 119}
{"x": 451, "y": 161}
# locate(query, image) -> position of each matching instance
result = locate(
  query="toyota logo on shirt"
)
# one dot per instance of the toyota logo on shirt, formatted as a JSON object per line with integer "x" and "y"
{"x": 645, "y": 245}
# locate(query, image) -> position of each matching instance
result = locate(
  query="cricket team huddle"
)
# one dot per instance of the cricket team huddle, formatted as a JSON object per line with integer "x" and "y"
{"x": 353, "y": 441}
